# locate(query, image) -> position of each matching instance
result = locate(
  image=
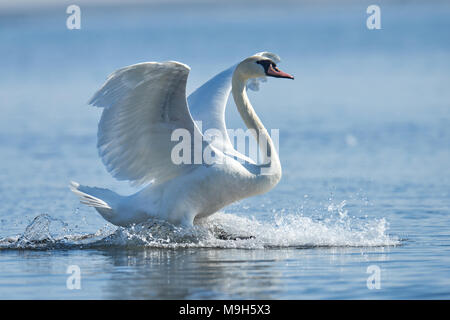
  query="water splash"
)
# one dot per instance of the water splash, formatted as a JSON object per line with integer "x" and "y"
{"x": 38, "y": 231}
{"x": 218, "y": 231}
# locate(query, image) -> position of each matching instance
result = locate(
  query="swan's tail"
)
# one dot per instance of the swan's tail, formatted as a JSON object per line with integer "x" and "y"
{"x": 103, "y": 200}
{"x": 87, "y": 197}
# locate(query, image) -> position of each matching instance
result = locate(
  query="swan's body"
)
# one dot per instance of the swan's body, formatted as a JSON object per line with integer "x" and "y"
{"x": 143, "y": 105}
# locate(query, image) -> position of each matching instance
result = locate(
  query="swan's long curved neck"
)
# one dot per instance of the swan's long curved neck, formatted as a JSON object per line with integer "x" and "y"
{"x": 271, "y": 162}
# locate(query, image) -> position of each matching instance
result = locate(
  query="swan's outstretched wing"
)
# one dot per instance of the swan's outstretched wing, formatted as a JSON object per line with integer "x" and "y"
{"x": 208, "y": 103}
{"x": 143, "y": 104}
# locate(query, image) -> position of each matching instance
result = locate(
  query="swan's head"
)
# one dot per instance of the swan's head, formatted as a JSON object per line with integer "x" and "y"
{"x": 262, "y": 65}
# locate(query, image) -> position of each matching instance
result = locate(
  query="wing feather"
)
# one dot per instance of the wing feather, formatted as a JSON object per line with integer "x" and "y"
{"x": 143, "y": 104}
{"x": 208, "y": 103}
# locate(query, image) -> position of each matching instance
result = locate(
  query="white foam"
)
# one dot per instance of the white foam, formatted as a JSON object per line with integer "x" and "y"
{"x": 226, "y": 231}
{"x": 232, "y": 231}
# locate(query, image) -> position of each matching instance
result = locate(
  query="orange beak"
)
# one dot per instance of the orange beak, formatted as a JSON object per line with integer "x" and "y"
{"x": 277, "y": 73}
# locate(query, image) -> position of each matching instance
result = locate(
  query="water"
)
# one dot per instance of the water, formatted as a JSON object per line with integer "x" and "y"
{"x": 364, "y": 145}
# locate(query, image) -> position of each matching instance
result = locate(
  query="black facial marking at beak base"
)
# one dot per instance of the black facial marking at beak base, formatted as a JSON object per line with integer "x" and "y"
{"x": 271, "y": 70}
{"x": 265, "y": 63}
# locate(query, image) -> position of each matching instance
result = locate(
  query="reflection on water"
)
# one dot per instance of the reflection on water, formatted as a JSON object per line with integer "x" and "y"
{"x": 196, "y": 273}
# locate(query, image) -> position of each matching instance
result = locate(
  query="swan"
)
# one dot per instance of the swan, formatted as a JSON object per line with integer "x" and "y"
{"x": 143, "y": 105}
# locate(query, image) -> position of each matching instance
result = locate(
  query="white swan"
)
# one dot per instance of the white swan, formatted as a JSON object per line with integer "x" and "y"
{"x": 142, "y": 106}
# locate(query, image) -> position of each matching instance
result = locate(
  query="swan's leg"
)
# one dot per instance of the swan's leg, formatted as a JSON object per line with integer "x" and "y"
{"x": 221, "y": 234}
